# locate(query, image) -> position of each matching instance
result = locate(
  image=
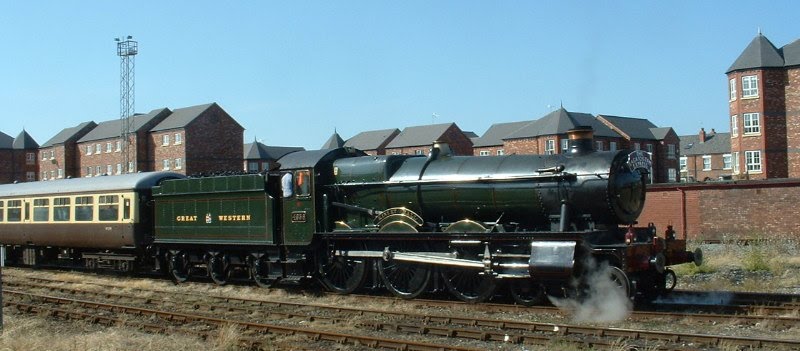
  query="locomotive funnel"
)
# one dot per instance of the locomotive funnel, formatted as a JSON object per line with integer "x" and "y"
{"x": 580, "y": 140}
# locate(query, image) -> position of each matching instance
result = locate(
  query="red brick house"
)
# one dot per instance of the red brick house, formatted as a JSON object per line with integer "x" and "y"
{"x": 100, "y": 151}
{"x": 373, "y": 142}
{"x": 419, "y": 139}
{"x": 706, "y": 156}
{"x": 491, "y": 142}
{"x": 764, "y": 103}
{"x": 58, "y": 157}
{"x": 259, "y": 157}
{"x": 196, "y": 139}
{"x": 661, "y": 142}
{"x": 18, "y": 161}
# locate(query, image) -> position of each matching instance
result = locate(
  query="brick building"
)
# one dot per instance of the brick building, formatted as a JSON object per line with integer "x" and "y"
{"x": 259, "y": 157}
{"x": 706, "y": 156}
{"x": 419, "y": 139}
{"x": 100, "y": 151}
{"x": 491, "y": 142}
{"x": 196, "y": 139}
{"x": 661, "y": 142}
{"x": 764, "y": 103}
{"x": 58, "y": 157}
{"x": 373, "y": 142}
{"x": 18, "y": 161}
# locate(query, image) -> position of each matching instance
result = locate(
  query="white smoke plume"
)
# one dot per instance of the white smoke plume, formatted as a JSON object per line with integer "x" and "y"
{"x": 604, "y": 301}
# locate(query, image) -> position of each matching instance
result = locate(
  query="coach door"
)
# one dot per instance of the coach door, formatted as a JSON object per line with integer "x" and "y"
{"x": 298, "y": 206}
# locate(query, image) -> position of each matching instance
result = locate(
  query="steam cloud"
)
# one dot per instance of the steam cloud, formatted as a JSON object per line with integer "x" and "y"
{"x": 604, "y": 300}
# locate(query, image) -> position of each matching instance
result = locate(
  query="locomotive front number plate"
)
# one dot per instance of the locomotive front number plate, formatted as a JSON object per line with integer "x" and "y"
{"x": 299, "y": 217}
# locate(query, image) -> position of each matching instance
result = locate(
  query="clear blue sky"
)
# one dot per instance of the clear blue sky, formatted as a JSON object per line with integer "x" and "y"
{"x": 293, "y": 71}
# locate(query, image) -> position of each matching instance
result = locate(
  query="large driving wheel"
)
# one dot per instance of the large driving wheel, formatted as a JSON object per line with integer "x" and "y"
{"x": 178, "y": 267}
{"x": 259, "y": 271}
{"x": 341, "y": 275}
{"x": 469, "y": 285}
{"x": 218, "y": 269}
{"x": 527, "y": 292}
{"x": 404, "y": 280}
{"x": 620, "y": 280}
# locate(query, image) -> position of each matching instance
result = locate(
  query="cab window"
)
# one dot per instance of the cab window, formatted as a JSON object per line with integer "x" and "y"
{"x": 84, "y": 208}
{"x": 41, "y": 210}
{"x": 61, "y": 209}
{"x": 14, "y": 210}
{"x": 302, "y": 183}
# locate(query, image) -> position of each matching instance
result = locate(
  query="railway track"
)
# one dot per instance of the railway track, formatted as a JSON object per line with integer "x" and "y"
{"x": 478, "y": 329}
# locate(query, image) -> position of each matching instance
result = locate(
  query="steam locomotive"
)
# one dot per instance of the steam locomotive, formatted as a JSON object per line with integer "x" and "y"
{"x": 412, "y": 224}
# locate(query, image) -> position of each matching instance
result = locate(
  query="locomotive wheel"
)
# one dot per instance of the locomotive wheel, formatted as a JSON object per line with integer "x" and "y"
{"x": 469, "y": 285}
{"x": 527, "y": 292}
{"x": 404, "y": 280}
{"x": 342, "y": 275}
{"x": 217, "y": 269}
{"x": 620, "y": 279}
{"x": 178, "y": 267}
{"x": 259, "y": 270}
{"x": 670, "y": 280}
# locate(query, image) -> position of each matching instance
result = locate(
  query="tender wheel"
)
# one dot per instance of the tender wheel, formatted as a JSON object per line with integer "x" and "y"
{"x": 259, "y": 271}
{"x": 218, "y": 269}
{"x": 178, "y": 267}
{"x": 527, "y": 292}
{"x": 469, "y": 285}
{"x": 342, "y": 275}
{"x": 620, "y": 280}
{"x": 670, "y": 280}
{"x": 404, "y": 280}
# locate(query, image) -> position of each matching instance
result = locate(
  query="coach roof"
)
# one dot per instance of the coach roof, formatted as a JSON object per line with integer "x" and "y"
{"x": 132, "y": 181}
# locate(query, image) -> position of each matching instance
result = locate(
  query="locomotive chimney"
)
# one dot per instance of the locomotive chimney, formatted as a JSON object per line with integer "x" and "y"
{"x": 702, "y": 135}
{"x": 580, "y": 140}
{"x": 440, "y": 149}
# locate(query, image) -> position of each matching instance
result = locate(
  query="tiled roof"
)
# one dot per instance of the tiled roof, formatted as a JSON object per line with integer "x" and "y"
{"x": 660, "y": 133}
{"x": 760, "y": 53}
{"x": 6, "y": 141}
{"x": 419, "y": 135}
{"x": 634, "y": 128}
{"x": 67, "y": 133}
{"x": 24, "y": 141}
{"x": 791, "y": 53}
{"x": 719, "y": 143}
{"x": 113, "y": 128}
{"x": 181, "y": 117}
{"x": 559, "y": 122}
{"x": 495, "y": 134}
{"x": 372, "y": 140}
{"x": 334, "y": 142}
{"x": 259, "y": 151}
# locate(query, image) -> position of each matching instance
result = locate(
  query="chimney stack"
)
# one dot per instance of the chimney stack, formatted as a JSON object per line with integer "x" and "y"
{"x": 702, "y": 135}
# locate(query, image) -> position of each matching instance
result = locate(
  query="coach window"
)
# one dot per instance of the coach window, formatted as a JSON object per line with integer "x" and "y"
{"x": 14, "y": 210}
{"x": 84, "y": 210}
{"x": 61, "y": 209}
{"x": 302, "y": 187}
{"x": 126, "y": 208}
{"x": 2, "y": 211}
{"x": 109, "y": 208}
{"x": 41, "y": 210}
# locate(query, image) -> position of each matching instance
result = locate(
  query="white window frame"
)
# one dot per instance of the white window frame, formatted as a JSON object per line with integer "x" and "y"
{"x": 60, "y": 173}
{"x": 31, "y": 176}
{"x": 732, "y": 86}
{"x": 672, "y": 175}
{"x": 89, "y": 149}
{"x": 165, "y": 164}
{"x": 119, "y": 145}
{"x": 682, "y": 163}
{"x": 483, "y": 153}
{"x": 501, "y": 152}
{"x": 97, "y": 170}
{"x": 178, "y": 139}
{"x": 706, "y": 162}
{"x": 650, "y": 148}
{"x": 749, "y": 87}
{"x": 599, "y": 145}
{"x": 44, "y": 155}
{"x": 549, "y": 146}
{"x": 119, "y": 168}
{"x": 109, "y": 170}
{"x": 564, "y": 146}
{"x": 637, "y": 146}
{"x": 752, "y": 123}
{"x": 735, "y": 162}
{"x": 252, "y": 166}
{"x": 89, "y": 171}
{"x": 98, "y": 148}
{"x": 418, "y": 152}
{"x": 612, "y": 146}
{"x": 734, "y": 126}
{"x": 753, "y": 161}
{"x": 727, "y": 161}
{"x": 165, "y": 140}
{"x": 671, "y": 151}
{"x": 131, "y": 166}
{"x": 109, "y": 148}
{"x": 179, "y": 163}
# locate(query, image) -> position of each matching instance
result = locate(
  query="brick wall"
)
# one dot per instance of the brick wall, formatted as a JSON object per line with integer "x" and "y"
{"x": 168, "y": 150}
{"x": 792, "y": 101}
{"x": 745, "y": 209}
{"x": 213, "y": 142}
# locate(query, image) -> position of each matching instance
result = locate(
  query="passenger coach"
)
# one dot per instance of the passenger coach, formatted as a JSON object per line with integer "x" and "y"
{"x": 102, "y": 221}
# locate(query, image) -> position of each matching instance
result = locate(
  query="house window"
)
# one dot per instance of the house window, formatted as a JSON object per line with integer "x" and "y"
{"x": 650, "y": 148}
{"x": 178, "y": 163}
{"x": 637, "y": 146}
{"x": 119, "y": 168}
{"x": 501, "y": 152}
{"x": 612, "y": 146}
{"x": 672, "y": 175}
{"x": 736, "y": 162}
{"x": 52, "y": 154}
{"x": 734, "y": 126}
{"x": 30, "y": 176}
{"x": 753, "y": 161}
{"x": 549, "y": 146}
{"x": 732, "y": 86}
{"x": 165, "y": 140}
{"x": 749, "y": 86}
{"x": 483, "y": 153}
{"x": 88, "y": 149}
{"x": 671, "y": 151}
{"x": 30, "y": 158}
{"x": 109, "y": 148}
{"x": 97, "y": 171}
{"x": 252, "y": 166}
{"x": 707, "y": 163}
{"x": 165, "y": 165}
{"x": 88, "y": 171}
{"x": 178, "y": 138}
{"x": 98, "y": 148}
{"x": 109, "y": 170}
{"x": 52, "y": 174}
{"x": 119, "y": 146}
{"x": 752, "y": 125}
{"x": 131, "y": 167}
{"x": 44, "y": 175}
{"x": 417, "y": 152}
{"x": 564, "y": 146}
{"x": 44, "y": 155}
{"x": 599, "y": 145}
{"x": 60, "y": 173}
{"x": 682, "y": 163}
{"x": 726, "y": 161}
